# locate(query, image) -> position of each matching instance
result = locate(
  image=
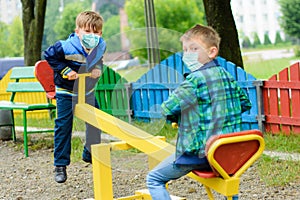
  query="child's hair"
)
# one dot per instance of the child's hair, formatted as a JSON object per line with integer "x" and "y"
{"x": 205, "y": 33}
{"x": 89, "y": 19}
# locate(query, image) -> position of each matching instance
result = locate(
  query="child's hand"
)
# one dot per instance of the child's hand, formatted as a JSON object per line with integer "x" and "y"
{"x": 72, "y": 75}
{"x": 95, "y": 73}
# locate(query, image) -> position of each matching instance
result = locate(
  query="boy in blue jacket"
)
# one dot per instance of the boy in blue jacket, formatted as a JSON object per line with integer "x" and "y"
{"x": 208, "y": 102}
{"x": 82, "y": 52}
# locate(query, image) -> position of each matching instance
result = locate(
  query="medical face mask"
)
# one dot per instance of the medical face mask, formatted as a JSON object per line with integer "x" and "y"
{"x": 191, "y": 61}
{"x": 90, "y": 41}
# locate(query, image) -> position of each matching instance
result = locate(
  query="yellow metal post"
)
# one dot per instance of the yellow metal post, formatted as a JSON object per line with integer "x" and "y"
{"x": 102, "y": 173}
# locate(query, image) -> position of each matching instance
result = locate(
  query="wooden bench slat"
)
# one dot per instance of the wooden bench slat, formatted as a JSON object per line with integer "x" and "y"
{"x": 24, "y": 106}
{"x": 22, "y": 72}
{"x": 24, "y": 87}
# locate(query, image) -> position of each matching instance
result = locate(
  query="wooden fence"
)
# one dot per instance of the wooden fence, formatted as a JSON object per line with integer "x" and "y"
{"x": 281, "y": 101}
{"x": 142, "y": 99}
{"x": 154, "y": 87}
{"x": 275, "y": 102}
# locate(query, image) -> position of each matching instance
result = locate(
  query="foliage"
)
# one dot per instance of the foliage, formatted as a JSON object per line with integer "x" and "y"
{"x": 173, "y": 18}
{"x": 66, "y": 25}
{"x": 15, "y": 39}
{"x": 55, "y": 21}
{"x": 11, "y": 41}
{"x": 278, "y": 39}
{"x": 290, "y": 18}
{"x": 3, "y": 39}
{"x": 52, "y": 16}
{"x": 256, "y": 40}
{"x": 246, "y": 42}
{"x": 111, "y": 33}
{"x": 109, "y": 10}
{"x": 297, "y": 51}
{"x": 267, "y": 39}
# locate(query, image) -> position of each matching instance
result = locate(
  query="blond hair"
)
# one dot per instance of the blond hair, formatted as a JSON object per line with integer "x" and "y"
{"x": 205, "y": 33}
{"x": 89, "y": 19}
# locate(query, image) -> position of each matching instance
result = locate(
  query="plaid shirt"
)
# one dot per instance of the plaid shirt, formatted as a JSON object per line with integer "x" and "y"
{"x": 207, "y": 103}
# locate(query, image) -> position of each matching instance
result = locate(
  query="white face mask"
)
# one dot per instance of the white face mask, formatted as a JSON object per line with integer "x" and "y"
{"x": 191, "y": 61}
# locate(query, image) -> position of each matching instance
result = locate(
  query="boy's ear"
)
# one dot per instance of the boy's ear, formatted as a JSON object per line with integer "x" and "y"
{"x": 213, "y": 52}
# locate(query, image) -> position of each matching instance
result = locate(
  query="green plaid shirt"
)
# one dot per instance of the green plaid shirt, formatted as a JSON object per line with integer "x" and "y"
{"x": 207, "y": 103}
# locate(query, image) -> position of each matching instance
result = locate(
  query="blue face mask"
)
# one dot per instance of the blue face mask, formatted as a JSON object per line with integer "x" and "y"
{"x": 191, "y": 61}
{"x": 90, "y": 41}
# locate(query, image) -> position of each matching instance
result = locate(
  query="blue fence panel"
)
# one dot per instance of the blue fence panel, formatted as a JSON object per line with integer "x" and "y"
{"x": 154, "y": 87}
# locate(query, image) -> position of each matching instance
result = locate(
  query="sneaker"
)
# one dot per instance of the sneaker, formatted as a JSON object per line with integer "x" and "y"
{"x": 60, "y": 174}
{"x": 86, "y": 155}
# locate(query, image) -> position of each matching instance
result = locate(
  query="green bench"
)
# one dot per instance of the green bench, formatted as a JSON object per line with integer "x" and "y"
{"x": 19, "y": 74}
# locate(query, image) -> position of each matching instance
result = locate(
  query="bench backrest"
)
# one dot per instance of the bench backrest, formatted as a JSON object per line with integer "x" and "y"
{"x": 22, "y": 83}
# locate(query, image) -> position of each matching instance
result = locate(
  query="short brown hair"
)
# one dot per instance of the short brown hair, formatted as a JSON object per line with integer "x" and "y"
{"x": 89, "y": 19}
{"x": 206, "y": 33}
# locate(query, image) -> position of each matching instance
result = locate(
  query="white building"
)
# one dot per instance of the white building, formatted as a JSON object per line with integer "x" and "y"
{"x": 9, "y": 9}
{"x": 257, "y": 16}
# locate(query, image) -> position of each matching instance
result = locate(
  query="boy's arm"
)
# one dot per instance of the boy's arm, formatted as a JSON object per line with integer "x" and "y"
{"x": 56, "y": 58}
{"x": 245, "y": 102}
{"x": 182, "y": 98}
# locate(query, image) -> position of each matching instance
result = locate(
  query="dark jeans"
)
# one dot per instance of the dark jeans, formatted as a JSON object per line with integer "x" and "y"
{"x": 63, "y": 128}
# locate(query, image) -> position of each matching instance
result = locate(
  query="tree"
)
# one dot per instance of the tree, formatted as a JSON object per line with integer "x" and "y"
{"x": 246, "y": 42}
{"x": 3, "y": 38}
{"x": 278, "y": 39}
{"x": 66, "y": 24}
{"x": 15, "y": 39}
{"x": 219, "y": 16}
{"x": 173, "y": 18}
{"x": 33, "y": 17}
{"x": 111, "y": 33}
{"x": 267, "y": 39}
{"x": 290, "y": 18}
{"x": 256, "y": 40}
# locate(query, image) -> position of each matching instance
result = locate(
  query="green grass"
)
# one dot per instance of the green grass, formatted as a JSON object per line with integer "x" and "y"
{"x": 264, "y": 69}
{"x": 132, "y": 74}
{"x": 282, "y": 143}
{"x": 276, "y": 172}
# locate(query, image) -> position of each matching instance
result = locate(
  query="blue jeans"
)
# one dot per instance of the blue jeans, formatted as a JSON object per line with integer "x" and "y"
{"x": 63, "y": 128}
{"x": 166, "y": 171}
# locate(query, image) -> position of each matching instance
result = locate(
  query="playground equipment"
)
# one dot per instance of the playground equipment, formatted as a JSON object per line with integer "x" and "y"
{"x": 240, "y": 151}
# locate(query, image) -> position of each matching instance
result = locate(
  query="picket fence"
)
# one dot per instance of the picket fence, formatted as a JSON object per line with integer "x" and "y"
{"x": 141, "y": 100}
{"x": 281, "y": 95}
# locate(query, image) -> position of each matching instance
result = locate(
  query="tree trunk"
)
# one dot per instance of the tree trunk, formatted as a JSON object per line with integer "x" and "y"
{"x": 33, "y": 17}
{"x": 219, "y": 16}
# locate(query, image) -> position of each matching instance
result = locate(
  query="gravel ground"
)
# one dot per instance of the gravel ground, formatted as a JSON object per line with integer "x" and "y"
{"x": 32, "y": 178}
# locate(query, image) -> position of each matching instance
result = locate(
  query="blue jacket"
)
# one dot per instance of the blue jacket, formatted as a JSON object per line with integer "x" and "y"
{"x": 67, "y": 55}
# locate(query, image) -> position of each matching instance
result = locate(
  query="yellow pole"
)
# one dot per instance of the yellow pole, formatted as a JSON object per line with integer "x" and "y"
{"x": 102, "y": 174}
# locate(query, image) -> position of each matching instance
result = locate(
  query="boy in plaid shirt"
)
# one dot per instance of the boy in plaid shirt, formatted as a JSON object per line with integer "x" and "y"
{"x": 208, "y": 102}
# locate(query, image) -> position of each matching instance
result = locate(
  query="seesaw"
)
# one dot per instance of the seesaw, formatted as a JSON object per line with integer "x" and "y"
{"x": 230, "y": 155}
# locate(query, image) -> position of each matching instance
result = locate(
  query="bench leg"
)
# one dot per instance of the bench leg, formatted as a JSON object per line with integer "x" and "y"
{"x": 14, "y": 137}
{"x": 25, "y": 134}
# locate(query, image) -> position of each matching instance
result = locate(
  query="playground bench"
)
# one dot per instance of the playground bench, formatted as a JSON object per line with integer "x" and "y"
{"x": 23, "y": 81}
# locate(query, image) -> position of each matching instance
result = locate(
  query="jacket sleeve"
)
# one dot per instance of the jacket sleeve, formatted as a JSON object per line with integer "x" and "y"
{"x": 245, "y": 102}
{"x": 56, "y": 58}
